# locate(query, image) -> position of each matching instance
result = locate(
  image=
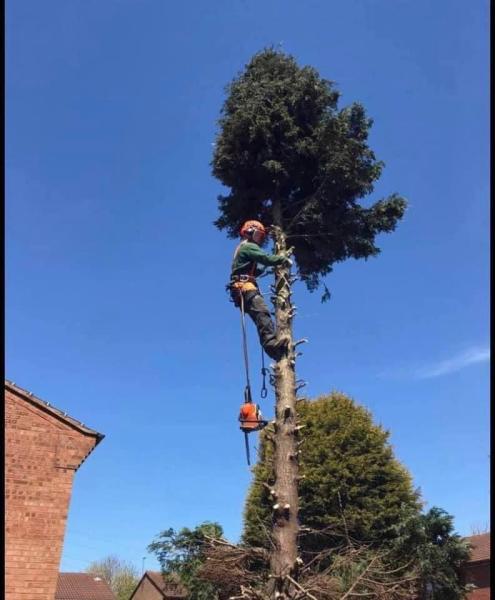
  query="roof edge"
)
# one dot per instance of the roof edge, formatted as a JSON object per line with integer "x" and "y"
{"x": 58, "y": 414}
{"x": 146, "y": 574}
{"x": 137, "y": 586}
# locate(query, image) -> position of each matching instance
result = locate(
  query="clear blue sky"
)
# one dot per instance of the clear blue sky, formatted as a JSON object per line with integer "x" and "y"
{"x": 116, "y": 310}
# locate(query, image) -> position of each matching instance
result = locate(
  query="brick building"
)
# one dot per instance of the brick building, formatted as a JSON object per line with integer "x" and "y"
{"x": 44, "y": 447}
{"x": 82, "y": 586}
{"x": 477, "y": 569}
{"x": 153, "y": 587}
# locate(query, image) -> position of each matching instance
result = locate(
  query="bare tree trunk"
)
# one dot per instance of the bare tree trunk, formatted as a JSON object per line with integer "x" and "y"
{"x": 283, "y": 559}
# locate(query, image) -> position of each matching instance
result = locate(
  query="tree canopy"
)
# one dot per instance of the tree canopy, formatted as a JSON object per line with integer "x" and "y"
{"x": 352, "y": 485}
{"x": 282, "y": 136}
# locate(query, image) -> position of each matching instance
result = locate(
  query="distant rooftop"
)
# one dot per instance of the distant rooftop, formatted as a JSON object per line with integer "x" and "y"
{"x": 168, "y": 589}
{"x": 82, "y": 586}
{"x": 480, "y": 547}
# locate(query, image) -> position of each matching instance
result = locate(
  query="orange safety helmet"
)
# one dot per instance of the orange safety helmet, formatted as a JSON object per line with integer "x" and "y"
{"x": 254, "y": 230}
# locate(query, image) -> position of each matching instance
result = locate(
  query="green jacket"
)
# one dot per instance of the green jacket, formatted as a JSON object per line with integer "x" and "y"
{"x": 248, "y": 255}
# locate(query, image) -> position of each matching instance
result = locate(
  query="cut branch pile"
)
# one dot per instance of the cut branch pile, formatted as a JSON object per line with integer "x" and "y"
{"x": 235, "y": 571}
{"x": 355, "y": 571}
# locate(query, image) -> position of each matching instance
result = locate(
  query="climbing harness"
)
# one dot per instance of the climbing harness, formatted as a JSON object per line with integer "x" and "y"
{"x": 250, "y": 416}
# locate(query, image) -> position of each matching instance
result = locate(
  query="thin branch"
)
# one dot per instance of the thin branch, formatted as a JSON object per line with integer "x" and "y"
{"x": 395, "y": 570}
{"x": 300, "y": 588}
{"x": 348, "y": 593}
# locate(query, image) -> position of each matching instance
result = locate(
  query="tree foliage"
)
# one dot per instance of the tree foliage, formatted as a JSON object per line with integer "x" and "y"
{"x": 355, "y": 494}
{"x": 438, "y": 551}
{"x": 121, "y": 576}
{"x": 182, "y": 553}
{"x": 352, "y": 486}
{"x": 282, "y": 136}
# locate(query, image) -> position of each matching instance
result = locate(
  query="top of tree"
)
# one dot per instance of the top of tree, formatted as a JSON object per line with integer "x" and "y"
{"x": 283, "y": 138}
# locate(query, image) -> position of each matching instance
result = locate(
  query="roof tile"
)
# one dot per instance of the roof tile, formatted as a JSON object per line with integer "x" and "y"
{"x": 82, "y": 586}
{"x": 480, "y": 547}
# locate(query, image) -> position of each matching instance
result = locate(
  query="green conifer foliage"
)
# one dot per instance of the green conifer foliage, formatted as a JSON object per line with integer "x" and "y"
{"x": 437, "y": 550}
{"x": 351, "y": 486}
{"x": 283, "y": 137}
{"x": 182, "y": 553}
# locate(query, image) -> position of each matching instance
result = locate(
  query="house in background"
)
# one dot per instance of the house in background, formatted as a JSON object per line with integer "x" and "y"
{"x": 153, "y": 587}
{"x": 82, "y": 586}
{"x": 44, "y": 447}
{"x": 477, "y": 568}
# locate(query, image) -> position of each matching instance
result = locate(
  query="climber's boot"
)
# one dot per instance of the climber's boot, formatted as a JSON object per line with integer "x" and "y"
{"x": 277, "y": 347}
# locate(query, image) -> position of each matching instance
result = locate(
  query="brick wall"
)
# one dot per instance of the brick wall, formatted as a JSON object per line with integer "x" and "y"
{"x": 42, "y": 453}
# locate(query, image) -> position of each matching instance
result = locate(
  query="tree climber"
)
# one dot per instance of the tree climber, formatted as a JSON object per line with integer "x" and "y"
{"x": 243, "y": 285}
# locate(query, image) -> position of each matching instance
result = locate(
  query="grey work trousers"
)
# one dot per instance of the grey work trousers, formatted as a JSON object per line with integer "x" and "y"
{"x": 255, "y": 307}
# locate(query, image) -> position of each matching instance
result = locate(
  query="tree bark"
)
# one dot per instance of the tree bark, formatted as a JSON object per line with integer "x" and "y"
{"x": 285, "y": 528}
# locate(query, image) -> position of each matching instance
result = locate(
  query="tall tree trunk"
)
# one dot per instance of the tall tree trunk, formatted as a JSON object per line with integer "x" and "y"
{"x": 283, "y": 561}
